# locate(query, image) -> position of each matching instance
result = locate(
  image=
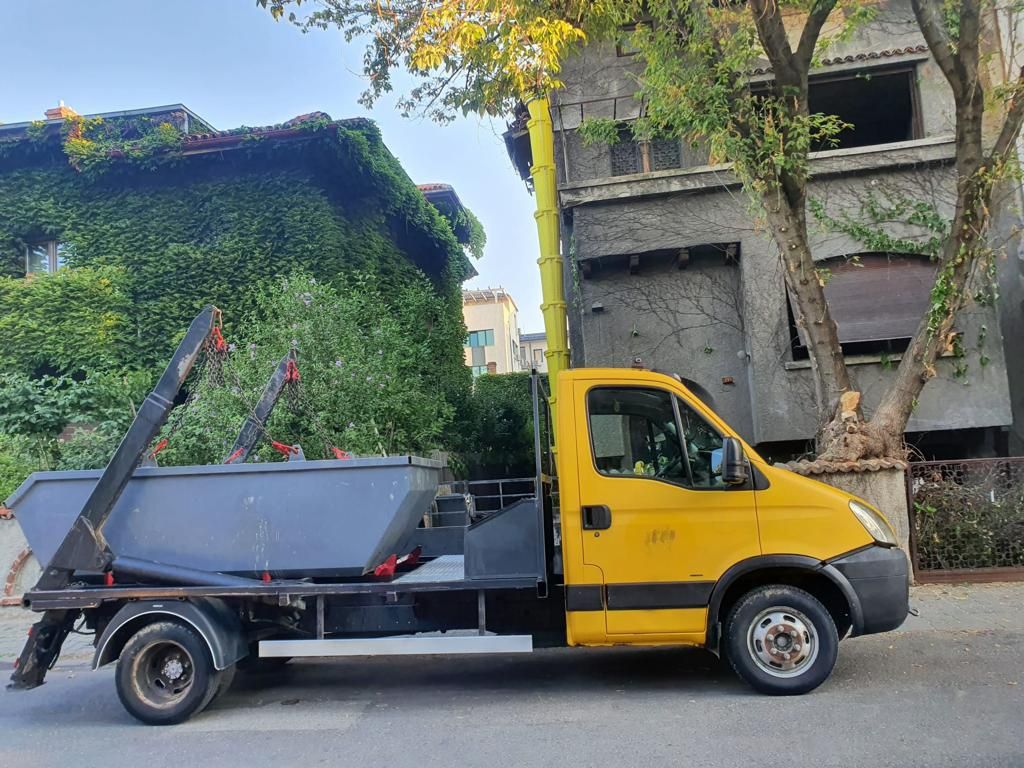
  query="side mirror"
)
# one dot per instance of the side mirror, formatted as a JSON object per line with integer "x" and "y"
{"x": 734, "y": 463}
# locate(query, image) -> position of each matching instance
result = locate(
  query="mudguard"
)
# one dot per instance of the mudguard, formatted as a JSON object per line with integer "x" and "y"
{"x": 215, "y": 622}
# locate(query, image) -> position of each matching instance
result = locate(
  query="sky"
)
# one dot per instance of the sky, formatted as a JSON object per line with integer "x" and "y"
{"x": 232, "y": 64}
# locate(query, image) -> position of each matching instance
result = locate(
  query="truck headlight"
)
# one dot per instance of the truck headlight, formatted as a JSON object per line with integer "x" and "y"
{"x": 876, "y": 525}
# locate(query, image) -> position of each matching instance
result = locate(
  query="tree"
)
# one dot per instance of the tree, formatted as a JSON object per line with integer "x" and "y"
{"x": 484, "y": 55}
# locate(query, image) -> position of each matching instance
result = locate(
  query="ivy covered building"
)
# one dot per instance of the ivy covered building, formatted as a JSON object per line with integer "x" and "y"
{"x": 140, "y": 218}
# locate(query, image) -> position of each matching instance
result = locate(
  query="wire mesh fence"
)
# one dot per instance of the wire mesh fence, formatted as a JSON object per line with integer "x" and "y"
{"x": 967, "y": 518}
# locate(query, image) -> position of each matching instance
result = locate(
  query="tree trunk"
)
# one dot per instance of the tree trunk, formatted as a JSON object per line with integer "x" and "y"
{"x": 882, "y": 436}
{"x": 788, "y": 224}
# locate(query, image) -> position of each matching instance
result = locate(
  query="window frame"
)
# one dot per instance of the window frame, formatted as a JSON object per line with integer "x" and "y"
{"x": 642, "y": 151}
{"x": 676, "y": 398}
{"x": 623, "y": 49}
{"x": 909, "y": 69}
{"x": 53, "y": 255}
{"x": 488, "y": 340}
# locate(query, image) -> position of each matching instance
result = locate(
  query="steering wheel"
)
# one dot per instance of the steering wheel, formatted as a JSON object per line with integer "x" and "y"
{"x": 676, "y": 462}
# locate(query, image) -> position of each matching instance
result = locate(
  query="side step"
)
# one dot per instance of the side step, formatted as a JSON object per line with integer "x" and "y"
{"x": 398, "y": 646}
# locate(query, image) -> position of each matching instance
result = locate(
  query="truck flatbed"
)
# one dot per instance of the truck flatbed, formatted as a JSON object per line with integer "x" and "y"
{"x": 442, "y": 574}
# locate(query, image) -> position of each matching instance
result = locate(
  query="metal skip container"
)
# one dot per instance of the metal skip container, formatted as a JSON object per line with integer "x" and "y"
{"x": 298, "y": 518}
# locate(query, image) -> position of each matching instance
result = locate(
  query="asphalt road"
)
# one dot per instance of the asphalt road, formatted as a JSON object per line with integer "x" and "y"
{"x": 921, "y": 698}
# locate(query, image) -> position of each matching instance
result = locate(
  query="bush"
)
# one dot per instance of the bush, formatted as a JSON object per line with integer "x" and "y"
{"x": 43, "y": 407}
{"x": 34, "y": 412}
{"x": 974, "y": 521}
{"x": 64, "y": 322}
{"x": 370, "y": 383}
{"x": 20, "y": 456}
{"x": 495, "y": 436}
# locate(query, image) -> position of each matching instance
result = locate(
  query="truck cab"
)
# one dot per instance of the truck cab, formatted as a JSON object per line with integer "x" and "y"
{"x": 674, "y": 531}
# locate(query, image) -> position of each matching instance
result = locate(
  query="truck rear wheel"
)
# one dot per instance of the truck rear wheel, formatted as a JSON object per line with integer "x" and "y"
{"x": 781, "y": 640}
{"x": 165, "y": 674}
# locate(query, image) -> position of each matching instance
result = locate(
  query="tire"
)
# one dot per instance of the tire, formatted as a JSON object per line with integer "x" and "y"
{"x": 781, "y": 640}
{"x": 225, "y": 679}
{"x": 165, "y": 674}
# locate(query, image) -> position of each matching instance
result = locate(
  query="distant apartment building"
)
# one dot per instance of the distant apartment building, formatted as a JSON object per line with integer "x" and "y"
{"x": 492, "y": 322}
{"x": 532, "y": 347}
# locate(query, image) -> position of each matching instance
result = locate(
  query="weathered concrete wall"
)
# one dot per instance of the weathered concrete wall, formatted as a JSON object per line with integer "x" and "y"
{"x": 599, "y": 83}
{"x": 670, "y": 317}
{"x": 686, "y": 321}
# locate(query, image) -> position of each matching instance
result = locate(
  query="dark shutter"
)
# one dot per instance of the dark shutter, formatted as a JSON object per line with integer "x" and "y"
{"x": 879, "y": 297}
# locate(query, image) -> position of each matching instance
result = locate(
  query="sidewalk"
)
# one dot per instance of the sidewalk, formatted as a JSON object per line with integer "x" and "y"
{"x": 942, "y": 608}
{"x": 967, "y": 607}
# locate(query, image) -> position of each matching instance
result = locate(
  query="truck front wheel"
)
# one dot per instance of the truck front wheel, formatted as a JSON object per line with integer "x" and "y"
{"x": 781, "y": 640}
{"x": 165, "y": 674}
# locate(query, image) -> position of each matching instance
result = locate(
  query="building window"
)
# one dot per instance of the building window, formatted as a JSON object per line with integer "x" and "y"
{"x": 479, "y": 370}
{"x": 626, "y": 154}
{"x": 624, "y": 46}
{"x": 631, "y": 156}
{"x": 665, "y": 154}
{"x": 881, "y": 107}
{"x": 480, "y": 338}
{"x": 876, "y": 300}
{"x": 44, "y": 256}
{"x": 538, "y": 358}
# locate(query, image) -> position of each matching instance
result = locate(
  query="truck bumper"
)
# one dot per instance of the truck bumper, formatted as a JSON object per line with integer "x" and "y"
{"x": 880, "y": 580}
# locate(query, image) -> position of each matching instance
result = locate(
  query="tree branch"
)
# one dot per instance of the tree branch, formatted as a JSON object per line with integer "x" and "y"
{"x": 1011, "y": 123}
{"x": 774, "y": 40}
{"x": 929, "y": 19}
{"x": 812, "y": 31}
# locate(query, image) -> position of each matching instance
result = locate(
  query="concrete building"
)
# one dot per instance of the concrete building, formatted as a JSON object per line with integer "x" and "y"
{"x": 665, "y": 262}
{"x": 532, "y": 348}
{"x": 492, "y": 341}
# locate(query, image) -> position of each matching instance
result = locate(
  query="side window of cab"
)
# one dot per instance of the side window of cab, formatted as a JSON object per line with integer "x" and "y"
{"x": 644, "y": 432}
{"x": 703, "y": 449}
{"x": 633, "y": 431}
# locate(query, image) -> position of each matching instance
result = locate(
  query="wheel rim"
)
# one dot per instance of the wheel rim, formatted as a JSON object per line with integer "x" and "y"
{"x": 782, "y": 642}
{"x": 163, "y": 674}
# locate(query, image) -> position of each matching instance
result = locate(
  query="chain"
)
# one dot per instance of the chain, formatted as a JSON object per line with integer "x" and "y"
{"x": 209, "y": 368}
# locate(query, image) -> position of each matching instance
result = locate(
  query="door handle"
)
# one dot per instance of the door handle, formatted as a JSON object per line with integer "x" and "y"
{"x": 597, "y": 517}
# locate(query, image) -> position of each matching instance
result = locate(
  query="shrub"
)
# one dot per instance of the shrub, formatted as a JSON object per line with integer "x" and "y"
{"x": 20, "y": 456}
{"x": 495, "y": 435}
{"x": 370, "y": 383}
{"x": 65, "y": 322}
{"x": 972, "y": 521}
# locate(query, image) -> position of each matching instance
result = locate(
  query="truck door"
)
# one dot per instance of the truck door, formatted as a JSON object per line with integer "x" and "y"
{"x": 657, "y": 520}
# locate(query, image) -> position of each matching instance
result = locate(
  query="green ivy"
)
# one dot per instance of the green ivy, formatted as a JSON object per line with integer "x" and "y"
{"x": 74, "y": 321}
{"x": 600, "y": 130}
{"x": 151, "y": 235}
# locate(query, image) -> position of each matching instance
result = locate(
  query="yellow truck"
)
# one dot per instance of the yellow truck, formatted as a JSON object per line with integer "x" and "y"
{"x": 656, "y": 525}
{"x": 674, "y": 531}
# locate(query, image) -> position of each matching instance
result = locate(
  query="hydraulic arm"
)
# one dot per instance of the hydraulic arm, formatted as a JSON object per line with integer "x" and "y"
{"x": 84, "y": 547}
{"x": 286, "y": 371}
